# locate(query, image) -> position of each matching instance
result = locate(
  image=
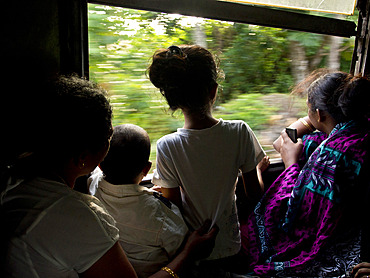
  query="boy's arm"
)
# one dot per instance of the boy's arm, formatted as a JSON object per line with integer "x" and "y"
{"x": 252, "y": 186}
{"x": 260, "y": 178}
{"x": 261, "y": 167}
{"x": 174, "y": 195}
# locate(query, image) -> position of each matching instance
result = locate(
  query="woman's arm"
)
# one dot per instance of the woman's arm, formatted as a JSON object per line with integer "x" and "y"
{"x": 112, "y": 264}
{"x": 303, "y": 126}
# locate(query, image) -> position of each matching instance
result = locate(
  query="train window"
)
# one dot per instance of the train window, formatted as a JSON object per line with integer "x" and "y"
{"x": 330, "y": 6}
{"x": 261, "y": 64}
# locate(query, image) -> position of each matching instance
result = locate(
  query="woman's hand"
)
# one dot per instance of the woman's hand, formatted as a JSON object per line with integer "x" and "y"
{"x": 290, "y": 151}
{"x": 361, "y": 270}
{"x": 303, "y": 127}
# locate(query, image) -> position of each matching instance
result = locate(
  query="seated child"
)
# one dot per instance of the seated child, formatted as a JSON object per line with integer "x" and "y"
{"x": 151, "y": 228}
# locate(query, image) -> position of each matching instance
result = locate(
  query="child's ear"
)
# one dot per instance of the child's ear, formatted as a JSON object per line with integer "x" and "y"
{"x": 147, "y": 168}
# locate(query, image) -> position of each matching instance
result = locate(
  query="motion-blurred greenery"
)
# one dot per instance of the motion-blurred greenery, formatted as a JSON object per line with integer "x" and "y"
{"x": 255, "y": 60}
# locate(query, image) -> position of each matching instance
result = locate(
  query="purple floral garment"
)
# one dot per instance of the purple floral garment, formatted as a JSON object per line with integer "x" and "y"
{"x": 304, "y": 208}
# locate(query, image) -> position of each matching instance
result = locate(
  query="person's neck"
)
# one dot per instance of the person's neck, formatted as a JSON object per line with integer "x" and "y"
{"x": 199, "y": 120}
{"x": 121, "y": 181}
{"x": 329, "y": 126}
{"x": 66, "y": 173}
{"x": 66, "y": 177}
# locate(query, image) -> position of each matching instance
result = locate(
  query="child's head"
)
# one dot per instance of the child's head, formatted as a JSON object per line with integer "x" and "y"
{"x": 127, "y": 160}
{"x": 186, "y": 76}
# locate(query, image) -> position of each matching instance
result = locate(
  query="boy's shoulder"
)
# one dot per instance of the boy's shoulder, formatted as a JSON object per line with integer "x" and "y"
{"x": 155, "y": 201}
{"x": 160, "y": 209}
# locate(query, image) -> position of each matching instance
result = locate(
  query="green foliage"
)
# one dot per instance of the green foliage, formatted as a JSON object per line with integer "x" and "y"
{"x": 255, "y": 61}
{"x": 121, "y": 43}
{"x": 310, "y": 41}
{"x": 247, "y": 107}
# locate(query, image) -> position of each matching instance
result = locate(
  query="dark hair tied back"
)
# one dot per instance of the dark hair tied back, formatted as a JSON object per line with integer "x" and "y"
{"x": 325, "y": 90}
{"x": 344, "y": 96}
{"x": 175, "y": 50}
{"x": 185, "y": 76}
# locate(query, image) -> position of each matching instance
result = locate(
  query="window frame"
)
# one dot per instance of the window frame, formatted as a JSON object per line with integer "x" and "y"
{"x": 74, "y": 30}
{"x": 250, "y": 14}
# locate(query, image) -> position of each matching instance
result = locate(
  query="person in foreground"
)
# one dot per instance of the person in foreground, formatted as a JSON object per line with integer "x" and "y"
{"x": 151, "y": 228}
{"x": 308, "y": 221}
{"x": 198, "y": 166}
{"x": 50, "y": 230}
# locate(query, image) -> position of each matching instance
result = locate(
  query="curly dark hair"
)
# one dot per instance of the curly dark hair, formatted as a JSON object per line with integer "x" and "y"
{"x": 185, "y": 76}
{"x": 81, "y": 115}
{"x": 62, "y": 119}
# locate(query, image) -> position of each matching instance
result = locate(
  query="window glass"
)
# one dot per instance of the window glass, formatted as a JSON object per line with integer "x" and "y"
{"x": 331, "y": 6}
{"x": 260, "y": 64}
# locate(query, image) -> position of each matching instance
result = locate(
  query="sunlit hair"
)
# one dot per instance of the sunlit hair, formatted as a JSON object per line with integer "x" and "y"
{"x": 128, "y": 154}
{"x": 185, "y": 76}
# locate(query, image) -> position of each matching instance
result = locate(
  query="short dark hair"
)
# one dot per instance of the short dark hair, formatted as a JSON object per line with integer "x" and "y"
{"x": 185, "y": 76}
{"x": 128, "y": 154}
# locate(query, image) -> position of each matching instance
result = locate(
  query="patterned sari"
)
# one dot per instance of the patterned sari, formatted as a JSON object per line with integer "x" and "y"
{"x": 305, "y": 224}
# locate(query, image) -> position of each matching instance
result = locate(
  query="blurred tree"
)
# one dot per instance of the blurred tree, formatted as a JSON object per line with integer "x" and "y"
{"x": 256, "y": 61}
{"x": 310, "y": 51}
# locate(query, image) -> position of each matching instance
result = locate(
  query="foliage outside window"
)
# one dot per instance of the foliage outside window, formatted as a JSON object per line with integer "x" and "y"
{"x": 261, "y": 65}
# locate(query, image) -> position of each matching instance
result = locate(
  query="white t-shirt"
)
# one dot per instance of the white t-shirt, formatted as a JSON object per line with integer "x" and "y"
{"x": 151, "y": 228}
{"x": 55, "y": 231}
{"x": 205, "y": 164}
